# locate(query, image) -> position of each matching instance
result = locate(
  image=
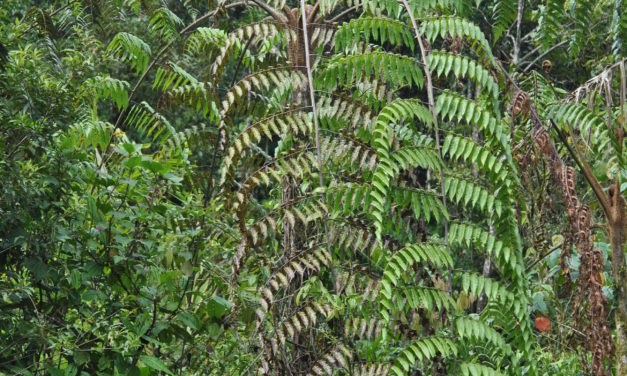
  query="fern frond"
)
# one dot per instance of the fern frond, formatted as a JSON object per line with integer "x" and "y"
{"x": 590, "y": 126}
{"x": 400, "y": 263}
{"x": 149, "y": 123}
{"x": 297, "y": 164}
{"x": 382, "y": 140}
{"x": 471, "y": 369}
{"x": 108, "y": 87}
{"x": 465, "y": 234}
{"x": 417, "y": 156}
{"x": 477, "y": 330}
{"x": 454, "y": 107}
{"x": 205, "y": 39}
{"x": 362, "y": 328}
{"x": 464, "y": 148}
{"x": 429, "y": 298}
{"x": 323, "y": 34}
{"x": 424, "y": 204}
{"x": 331, "y": 361}
{"x": 196, "y": 136}
{"x": 380, "y": 29}
{"x": 164, "y": 24}
{"x": 477, "y": 284}
{"x": 471, "y": 194}
{"x": 349, "y": 111}
{"x": 444, "y": 63}
{"x": 380, "y": 369}
{"x": 434, "y": 27}
{"x": 396, "y": 69}
{"x": 172, "y": 76}
{"x": 305, "y": 264}
{"x": 619, "y": 29}
{"x": 419, "y": 7}
{"x": 301, "y": 320}
{"x": 352, "y": 239}
{"x": 549, "y": 23}
{"x": 312, "y": 210}
{"x": 238, "y": 38}
{"x": 581, "y": 13}
{"x": 262, "y": 80}
{"x": 504, "y": 13}
{"x": 199, "y": 96}
{"x": 423, "y": 349}
{"x": 394, "y": 9}
{"x": 347, "y": 151}
{"x": 128, "y": 47}
{"x": 291, "y": 122}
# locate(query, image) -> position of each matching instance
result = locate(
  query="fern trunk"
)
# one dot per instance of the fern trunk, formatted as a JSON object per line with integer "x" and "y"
{"x": 618, "y": 239}
{"x": 293, "y": 235}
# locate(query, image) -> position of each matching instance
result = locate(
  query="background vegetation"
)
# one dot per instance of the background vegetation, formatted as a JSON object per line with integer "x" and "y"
{"x": 417, "y": 187}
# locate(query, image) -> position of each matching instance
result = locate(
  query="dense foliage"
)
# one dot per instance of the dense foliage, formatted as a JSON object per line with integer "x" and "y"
{"x": 314, "y": 187}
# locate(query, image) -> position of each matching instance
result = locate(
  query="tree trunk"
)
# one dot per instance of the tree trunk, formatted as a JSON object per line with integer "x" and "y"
{"x": 293, "y": 236}
{"x": 617, "y": 224}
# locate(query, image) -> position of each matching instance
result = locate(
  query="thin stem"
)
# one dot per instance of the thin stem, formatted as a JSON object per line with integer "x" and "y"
{"x": 315, "y": 112}
{"x": 521, "y": 7}
{"x": 544, "y": 54}
{"x": 543, "y": 256}
{"x": 344, "y": 13}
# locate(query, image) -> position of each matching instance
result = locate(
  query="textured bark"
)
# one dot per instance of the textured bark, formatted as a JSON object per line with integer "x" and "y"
{"x": 590, "y": 302}
{"x": 618, "y": 239}
{"x": 293, "y": 236}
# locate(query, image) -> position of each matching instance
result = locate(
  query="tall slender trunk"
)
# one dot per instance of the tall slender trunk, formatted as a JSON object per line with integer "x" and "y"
{"x": 617, "y": 223}
{"x": 293, "y": 236}
{"x": 517, "y": 41}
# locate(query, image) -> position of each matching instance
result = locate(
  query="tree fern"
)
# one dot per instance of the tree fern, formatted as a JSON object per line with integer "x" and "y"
{"x": 341, "y": 212}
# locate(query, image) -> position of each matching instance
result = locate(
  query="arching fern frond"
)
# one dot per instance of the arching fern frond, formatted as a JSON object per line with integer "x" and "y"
{"x": 171, "y": 77}
{"x": 477, "y": 284}
{"x": 550, "y": 23}
{"x": 471, "y": 194}
{"x": 421, "y": 350}
{"x": 128, "y": 47}
{"x": 471, "y": 369}
{"x": 292, "y": 122}
{"x": 444, "y": 63}
{"x": 479, "y": 331}
{"x": 434, "y": 27}
{"x": 504, "y": 13}
{"x": 464, "y": 234}
{"x": 469, "y": 151}
{"x": 262, "y": 80}
{"x": 305, "y": 264}
{"x": 397, "y": 69}
{"x": 301, "y": 320}
{"x": 331, "y": 361}
{"x": 454, "y": 107}
{"x": 149, "y": 123}
{"x": 199, "y": 96}
{"x": 591, "y": 127}
{"x": 205, "y": 39}
{"x": 380, "y": 29}
{"x": 108, "y": 87}
{"x": 164, "y": 24}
